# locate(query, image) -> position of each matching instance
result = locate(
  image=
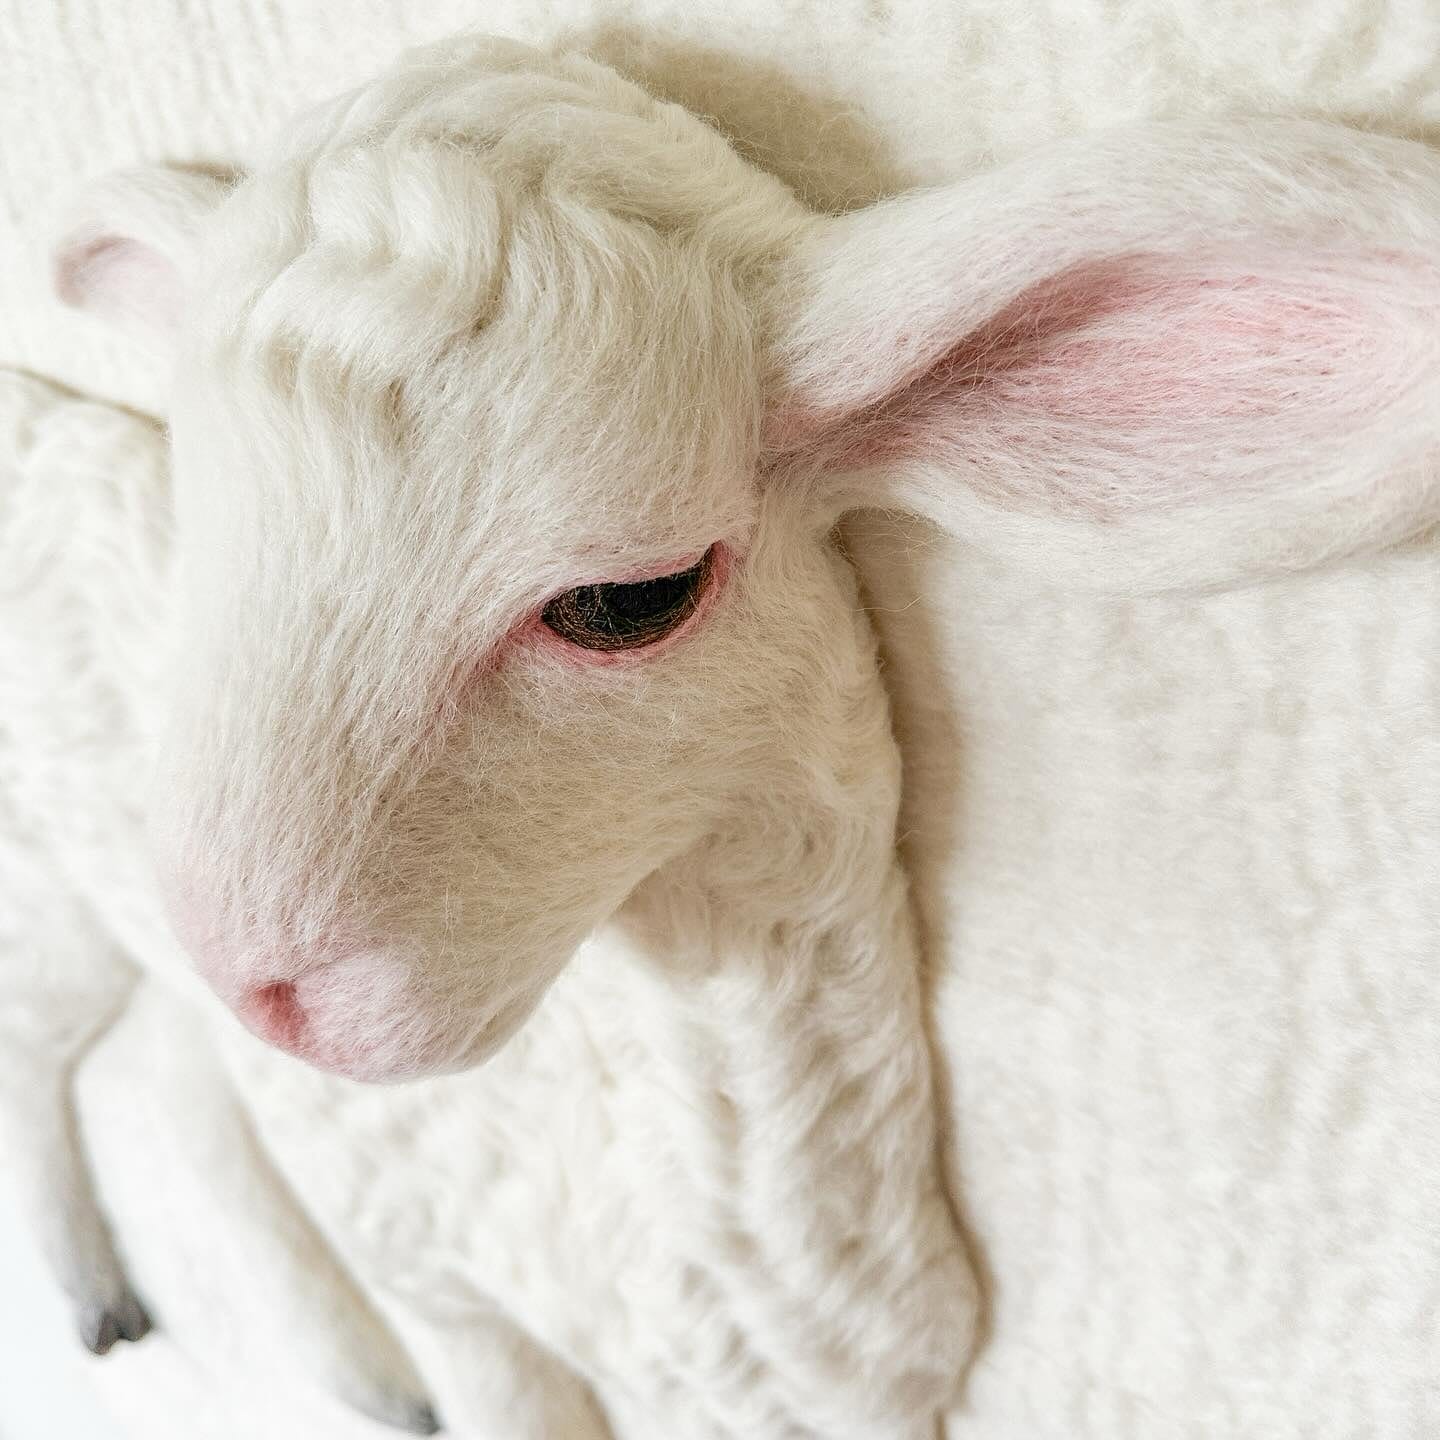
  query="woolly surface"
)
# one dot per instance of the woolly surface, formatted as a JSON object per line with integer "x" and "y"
{"x": 1176, "y": 858}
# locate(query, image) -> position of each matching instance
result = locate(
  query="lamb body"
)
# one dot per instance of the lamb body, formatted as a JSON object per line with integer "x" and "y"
{"x": 812, "y": 962}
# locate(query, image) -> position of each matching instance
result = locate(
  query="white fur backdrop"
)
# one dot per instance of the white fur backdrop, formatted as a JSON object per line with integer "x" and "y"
{"x": 1174, "y": 856}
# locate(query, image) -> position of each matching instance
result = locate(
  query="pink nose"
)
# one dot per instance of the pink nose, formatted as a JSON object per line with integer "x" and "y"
{"x": 275, "y": 1014}
{"x": 353, "y": 1012}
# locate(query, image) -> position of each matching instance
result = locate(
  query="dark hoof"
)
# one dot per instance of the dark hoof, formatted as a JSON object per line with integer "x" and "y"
{"x": 102, "y": 1330}
{"x": 423, "y": 1421}
{"x": 402, "y": 1412}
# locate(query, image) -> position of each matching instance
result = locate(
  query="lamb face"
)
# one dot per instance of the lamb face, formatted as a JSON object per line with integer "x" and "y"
{"x": 429, "y": 738}
{"x": 485, "y": 616}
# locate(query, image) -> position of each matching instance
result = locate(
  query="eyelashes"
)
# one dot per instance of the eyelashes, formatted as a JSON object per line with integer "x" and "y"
{"x": 615, "y": 617}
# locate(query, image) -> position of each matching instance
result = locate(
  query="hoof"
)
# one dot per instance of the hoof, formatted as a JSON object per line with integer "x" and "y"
{"x": 399, "y": 1409}
{"x": 425, "y": 1422}
{"x": 413, "y": 1417}
{"x": 422, "y": 1420}
{"x": 102, "y": 1329}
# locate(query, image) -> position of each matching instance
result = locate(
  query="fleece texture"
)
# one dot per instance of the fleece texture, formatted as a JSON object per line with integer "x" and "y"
{"x": 1171, "y": 855}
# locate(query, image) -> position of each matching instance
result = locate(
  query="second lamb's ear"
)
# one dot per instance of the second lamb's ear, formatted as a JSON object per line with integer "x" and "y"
{"x": 1163, "y": 357}
{"x": 129, "y": 244}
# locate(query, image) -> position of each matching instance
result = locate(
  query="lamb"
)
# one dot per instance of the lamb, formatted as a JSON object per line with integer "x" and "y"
{"x": 513, "y": 418}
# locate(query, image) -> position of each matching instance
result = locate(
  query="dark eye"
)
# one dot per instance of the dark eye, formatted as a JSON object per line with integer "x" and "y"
{"x": 625, "y": 617}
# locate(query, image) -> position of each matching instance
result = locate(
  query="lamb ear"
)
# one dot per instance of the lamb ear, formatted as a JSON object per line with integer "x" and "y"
{"x": 129, "y": 245}
{"x": 1170, "y": 356}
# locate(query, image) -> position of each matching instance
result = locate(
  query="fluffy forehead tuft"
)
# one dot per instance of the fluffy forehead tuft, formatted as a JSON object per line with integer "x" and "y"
{"x": 495, "y": 290}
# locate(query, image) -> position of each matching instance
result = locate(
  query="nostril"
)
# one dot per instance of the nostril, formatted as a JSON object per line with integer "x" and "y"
{"x": 276, "y": 1013}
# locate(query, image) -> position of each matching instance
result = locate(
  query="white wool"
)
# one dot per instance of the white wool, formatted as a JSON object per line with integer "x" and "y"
{"x": 499, "y": 325}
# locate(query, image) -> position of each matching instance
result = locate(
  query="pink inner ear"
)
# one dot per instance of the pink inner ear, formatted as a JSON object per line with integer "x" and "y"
{"x": 118, "y": 278}
{"x": 1157, "y": 361}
